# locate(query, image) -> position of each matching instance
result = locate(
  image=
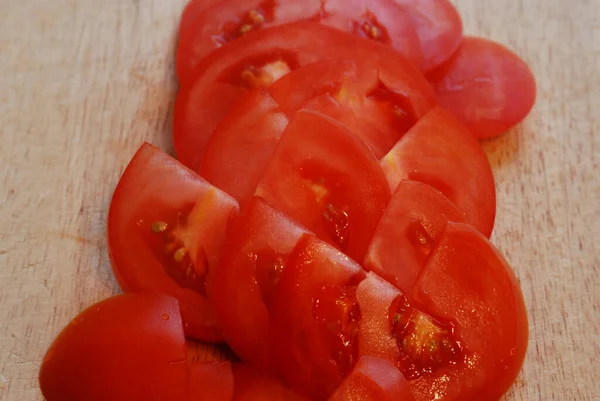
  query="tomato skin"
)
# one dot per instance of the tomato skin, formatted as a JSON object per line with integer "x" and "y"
{"x": 486, "y": 85}
{"x": 127, "y": 347}
{"x": 407, "y": 232}
{"x": 373, "y": 379}
{"x": 440, "y": 151}
{"x": 236, "y": 283}
{"x": 207, "y": 95}
{"x": 154, "y": 186}
{"x": 326, "y": 179}
{"x": 470, "y": 283}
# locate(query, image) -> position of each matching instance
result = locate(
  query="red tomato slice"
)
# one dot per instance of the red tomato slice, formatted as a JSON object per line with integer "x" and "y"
{"x": 257, "y": 60}
{"x": 373, "y": 379}
{"x": 243, "y": 144}
{"x": 191, "y": 11}
{"x": 378, "y": 102}
{"x": 254, "y": 256}
{"x": 211, "y": 382}
{"x": 228, "y": 20}
{"x": 128, "y": 347}
{"x": 327, "y": 180}
{"x": 438, "y": 27}
{"x": 315, "y": 319}
{"x": 409, "y": 229}
{"x": 487, "y": 86}
{"x": 440, "y": 151}
{"x": 254, "y": 385}
{"x": 166, "y": 228}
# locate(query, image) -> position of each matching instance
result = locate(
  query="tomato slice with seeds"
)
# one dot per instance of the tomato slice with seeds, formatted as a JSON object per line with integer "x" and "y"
{"x": 225, "y": 21}
{"x": 440, "y": 151}
{"x": 378, "y": 102}
{"x": 438, "y": 27}
{"x": 373, "y": 379}
{"x": 315, "y": 318}
{"x": 257, "y": 60}
{"x": 486, "y": 85}
{"x": 253, "y": 260}
{"x": 407, "y": 232}
{"x": 243, "y": 144}
{"x": 166, "y": 228}
{"x": 327, "y": 180}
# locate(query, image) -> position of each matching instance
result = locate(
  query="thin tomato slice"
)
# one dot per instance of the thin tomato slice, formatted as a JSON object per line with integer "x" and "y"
{"x": 438, "y": 27}
{"x": 315, "y": 319}
{"x": 251, "y": 384}
{"x": 242, "y": 286}
{"x": 243, "y": 144}
{"x": 441, "y": 152}
{"x": 378, "y": 102}
{"x": 257, "y": 60}
{"x": 486, "y": 85}
{"x": 409, "y": 229}
{"x": 327, "y": 180}
{"x": 373, "y": 379}
{"x": 166, "y": 228}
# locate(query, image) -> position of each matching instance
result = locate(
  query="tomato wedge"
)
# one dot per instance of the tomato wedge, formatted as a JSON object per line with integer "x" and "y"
{"x": 257, "y": 60}
{"x": 327, "y": 180}
{"x": 438, "y": 27}
{"x": 254, "y": 257}
{"x": 127, "y": 347}
{"x": 315, "y": 318}
{"x": 486, "y": 85}
{"x": 409, "y": 229}
{"x": 373, "y": 379}
{"x": 166, "y": 228}
{"x": 441, "y": 152}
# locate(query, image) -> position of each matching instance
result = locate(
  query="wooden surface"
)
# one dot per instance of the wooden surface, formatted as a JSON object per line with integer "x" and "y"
{"x": 83, "y": 82}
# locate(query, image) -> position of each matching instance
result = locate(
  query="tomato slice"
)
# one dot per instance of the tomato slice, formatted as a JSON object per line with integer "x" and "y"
{"x": 327, "y": 180}
{"x": 242, "y": 286}
{"x": 439, "y": 151}
{"x": 257, "y": 60}
{"x": 127, "y": 347}
{"x": 211, "y": 381}
{"x": 409, "y": 229}
{"x": 315, "y": 318}
{"x": 378, "y": 102}
{"x": 373, "y": 379}
{"x": 166, "y": 228}
{"x": 252, "y": 384}
{"x": 486, "y": 85}
{"x": 243, "y": 144}
{"x": 438, "y": 27}
{"x": 225, "y": 21}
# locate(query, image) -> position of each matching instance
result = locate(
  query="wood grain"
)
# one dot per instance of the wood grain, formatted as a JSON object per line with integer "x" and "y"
{"x": 83, "y": 82}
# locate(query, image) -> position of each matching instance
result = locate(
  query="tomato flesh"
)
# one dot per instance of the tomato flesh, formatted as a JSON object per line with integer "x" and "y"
{"x": 166, "y": 228}
{"x": 407, "y": 232}
{"x": 327, "y": 180}
{"x": 486, "y": 86}
{"x": 439, "y": 151}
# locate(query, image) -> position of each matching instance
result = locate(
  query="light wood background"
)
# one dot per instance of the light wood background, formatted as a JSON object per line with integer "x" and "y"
{"x": 84, "y": 82}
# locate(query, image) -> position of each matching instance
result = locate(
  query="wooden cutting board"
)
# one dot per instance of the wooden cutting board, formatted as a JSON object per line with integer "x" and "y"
{"x": 84, "y": 82}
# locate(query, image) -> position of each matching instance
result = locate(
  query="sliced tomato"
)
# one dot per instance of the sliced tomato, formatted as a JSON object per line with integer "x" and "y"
{"x": 228, "y": 20}
{"x": 486, "y": 85}
{"x": 128, "y": 347}
{"x": 166, "y": 228}
{"x": 440, "y": 151}
{"x": 327, "y": 180}
{"x": 243, "y": 144}
{"x": 461, "y": 334}
{"x": 409, "y": 229}
{"x": 315, "y": 319}
{"x": 211, "y": 382}
{"x": 373, "y": 379}
{"x": 378, "y": 102}
{"x": 191, "y": 11}
{"x": 242, "y": 286}
{"x": 257, "y": 60}
{"x": 252, "y": 384}
{"x": 438, "y": 27}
